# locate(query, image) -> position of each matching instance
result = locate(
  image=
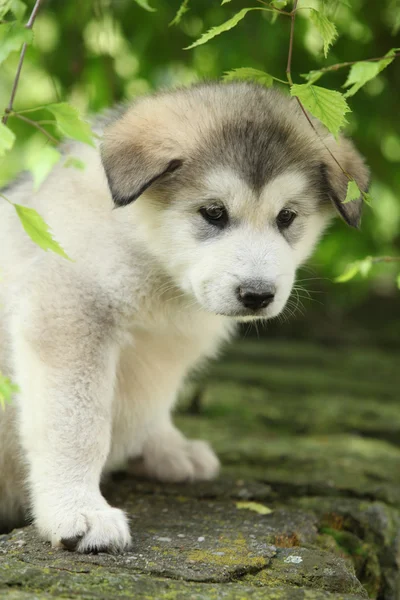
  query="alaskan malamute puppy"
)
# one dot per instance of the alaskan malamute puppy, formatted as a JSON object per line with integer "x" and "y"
{"x": 222, "y": 191}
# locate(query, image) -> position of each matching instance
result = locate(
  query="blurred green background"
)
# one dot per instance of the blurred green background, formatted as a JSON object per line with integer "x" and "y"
{"x": 95, "y": 53}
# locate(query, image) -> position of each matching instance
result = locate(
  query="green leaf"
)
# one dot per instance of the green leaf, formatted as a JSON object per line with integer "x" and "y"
{"x": 367, "y": 198}
{"x": 74, "y": 162}
{"x": 7, "y": 139}
{"x": 279, "y": 5}
{"x": 7, "y": 389}
{"x": 249, "y": 74}
{"x": 398, "y": 281}
{"x": 230, "y": 24}
{"x": 255, "y": 507}
{"x": 70, "y": 123}
{"x": 18, "y": 8}
{"x": 359, "y": 75}
{"x": 183, "y": 9}
{"x": 5, "y": 6}
{"x": 144, "y": 4}
{"x": 38, "y": 230}
{"x": 12, "y": 37}
{"x": 328, "y": 106}
{"x": 326, "y": 29}
{"x": 41, "y": 163}
{"x": 364, "y": 71}
{"x": 364, "y": 266}
{"x": 225, "y": 2}
{"x": 312, "y": 76}
{"x": 349, "y": 273}
{"x": 353, "y": 191}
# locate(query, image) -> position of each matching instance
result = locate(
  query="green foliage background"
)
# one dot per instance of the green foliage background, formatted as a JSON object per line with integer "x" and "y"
{"x": 95, "y": 53}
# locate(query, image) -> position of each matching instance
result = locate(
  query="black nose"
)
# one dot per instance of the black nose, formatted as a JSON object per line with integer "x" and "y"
{"x": 255, "y": 297}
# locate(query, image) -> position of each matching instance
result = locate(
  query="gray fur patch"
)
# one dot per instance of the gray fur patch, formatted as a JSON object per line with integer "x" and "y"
{"x": 258, "y": 133}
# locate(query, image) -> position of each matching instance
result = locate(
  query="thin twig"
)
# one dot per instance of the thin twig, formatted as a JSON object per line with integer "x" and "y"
{"x": 29, "y": 25}
{"x": 6, "y": 199}
{"x": 377, "y": 259}
{"x": 338, "y": 66}
{"x": 284, "y": 12}
{"x": 34, "y": 109}
{"x": 35, "y": 124}
{"x": 290, "y": 80}
{"x": 385, "y": 259}
{"x": 323, "y": 70}
{"x": 349, "y": 177}
{"x": 289, "y": 60}
{"x": 274, "y": 9}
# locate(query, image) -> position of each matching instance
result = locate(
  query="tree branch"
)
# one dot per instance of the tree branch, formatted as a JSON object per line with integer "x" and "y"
{"x": 338, "y": 66}
{"x": 274, "y": 9}
{"x": 290, "y": 80}
{"x": 385, "y": 259}
{"x": 35, "y": 124}
{"x": 289, "y": 60}
{"x": 29, "y": 25}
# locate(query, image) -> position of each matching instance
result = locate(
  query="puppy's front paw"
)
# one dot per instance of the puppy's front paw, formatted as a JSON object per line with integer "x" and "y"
{"x": 179, "y": 459}
{"x": 90, "y": 530}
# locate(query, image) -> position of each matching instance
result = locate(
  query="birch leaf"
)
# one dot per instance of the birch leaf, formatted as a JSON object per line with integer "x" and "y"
{"x": 230, "y": 24}
{"x": 328, "y": 106}
{"x": 38, "y": 230}
{"x": 249, "y": 74}
{"x": 326, "y": 29}
{"x": 7, "y": 139}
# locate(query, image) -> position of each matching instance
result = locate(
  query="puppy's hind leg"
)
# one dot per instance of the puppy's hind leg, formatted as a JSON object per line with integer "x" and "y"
{"x": 65, "y": 360}
{"x": 13, "y": 497}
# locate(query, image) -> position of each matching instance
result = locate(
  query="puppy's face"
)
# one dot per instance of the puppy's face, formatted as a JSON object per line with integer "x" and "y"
{"x": 236, "y": 249}
{"x": 234, "y": 196}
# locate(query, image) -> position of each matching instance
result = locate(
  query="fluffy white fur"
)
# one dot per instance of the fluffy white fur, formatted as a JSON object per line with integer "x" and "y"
{"x": 100, "y": 346}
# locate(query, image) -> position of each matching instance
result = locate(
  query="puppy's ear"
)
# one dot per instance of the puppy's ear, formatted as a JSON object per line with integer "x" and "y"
{"x": 335, "y": 181}
{"x": 134, "y": 157}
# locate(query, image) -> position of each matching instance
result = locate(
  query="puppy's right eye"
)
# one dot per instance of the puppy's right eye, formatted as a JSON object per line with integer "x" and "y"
{"x": 215, "y": 214}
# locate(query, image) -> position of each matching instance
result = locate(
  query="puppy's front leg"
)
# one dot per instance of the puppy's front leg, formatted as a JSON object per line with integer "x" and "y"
{"x": 65, "y": 361}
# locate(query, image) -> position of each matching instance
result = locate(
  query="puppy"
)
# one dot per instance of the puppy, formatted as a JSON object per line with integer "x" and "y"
{"x": 222, "y": 191}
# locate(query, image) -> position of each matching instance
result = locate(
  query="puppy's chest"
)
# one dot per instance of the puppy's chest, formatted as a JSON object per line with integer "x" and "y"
{"x": 173, "y": 344}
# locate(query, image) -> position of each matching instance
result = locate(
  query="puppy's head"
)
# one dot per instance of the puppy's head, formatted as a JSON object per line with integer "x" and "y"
{"x": 232, "y": 189}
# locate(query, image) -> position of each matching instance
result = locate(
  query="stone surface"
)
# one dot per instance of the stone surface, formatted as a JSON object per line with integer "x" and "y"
{"x": 310, "y": 433}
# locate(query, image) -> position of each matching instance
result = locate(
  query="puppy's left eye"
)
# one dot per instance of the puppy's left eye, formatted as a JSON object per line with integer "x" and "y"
{"x": 215, "y": 214}
{"x": 285, "y": 218}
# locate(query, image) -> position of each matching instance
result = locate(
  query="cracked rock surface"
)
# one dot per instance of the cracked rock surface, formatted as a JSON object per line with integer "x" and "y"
{"x": 307, "y": 506}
